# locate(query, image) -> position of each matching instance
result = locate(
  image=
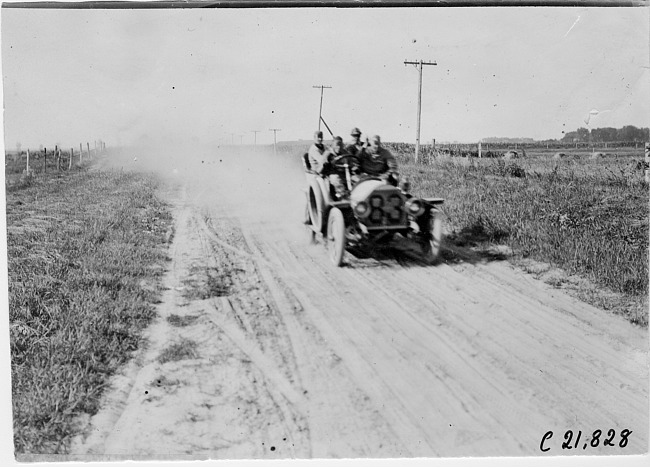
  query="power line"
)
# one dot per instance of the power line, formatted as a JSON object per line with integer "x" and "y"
{"x": 320, "y": 110}
{"x": 419, "y": 65}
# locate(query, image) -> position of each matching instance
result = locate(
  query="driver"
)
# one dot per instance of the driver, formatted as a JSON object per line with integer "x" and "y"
{"x": 377, "y": 161}
{"x": 336, "y": 173}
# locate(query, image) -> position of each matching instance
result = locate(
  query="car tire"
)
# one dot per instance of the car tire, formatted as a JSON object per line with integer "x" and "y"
{"x": 431, "y": 239}
{"x": 336, "y": 236}
{"x": 316, "y": 207}
{"x": 311, "y": 235}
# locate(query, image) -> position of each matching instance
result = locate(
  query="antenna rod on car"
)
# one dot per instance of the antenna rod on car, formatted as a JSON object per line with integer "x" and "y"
{"x": 418, "y": 65}
{"x": 327, "y": 126}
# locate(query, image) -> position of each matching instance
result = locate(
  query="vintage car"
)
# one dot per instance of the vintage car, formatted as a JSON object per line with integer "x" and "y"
{"x": 373, "y": 211}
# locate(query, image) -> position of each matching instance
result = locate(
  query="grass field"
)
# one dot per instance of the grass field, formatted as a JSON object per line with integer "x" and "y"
{"x": 85, "y": 256}
{"x": 586, "y": 216}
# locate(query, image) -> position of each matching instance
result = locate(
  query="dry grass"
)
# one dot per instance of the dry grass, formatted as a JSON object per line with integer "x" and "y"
{"x": 81, "y": 248}
{"x": 182, "y": 320}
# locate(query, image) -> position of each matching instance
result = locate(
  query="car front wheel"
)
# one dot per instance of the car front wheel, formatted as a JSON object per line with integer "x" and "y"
{"x": 431, "y": 237}
{"x": 336, "y": 236}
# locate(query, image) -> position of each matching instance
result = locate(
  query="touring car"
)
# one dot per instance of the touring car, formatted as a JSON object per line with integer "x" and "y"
{"x": 372, "y": 211}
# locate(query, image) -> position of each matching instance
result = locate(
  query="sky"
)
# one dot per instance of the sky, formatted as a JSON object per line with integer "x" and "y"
{"x": 189, "y": 76}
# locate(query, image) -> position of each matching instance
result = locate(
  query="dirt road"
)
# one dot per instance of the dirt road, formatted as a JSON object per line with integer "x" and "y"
{"x": 263, "y": 349}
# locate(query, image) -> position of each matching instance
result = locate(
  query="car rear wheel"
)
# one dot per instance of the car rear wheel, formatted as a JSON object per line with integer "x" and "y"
{"x": 311, "y": 235}
{"x": 336, "y": 236}
{"x": 316, "y": 206}
{"x": 431, "y": 239}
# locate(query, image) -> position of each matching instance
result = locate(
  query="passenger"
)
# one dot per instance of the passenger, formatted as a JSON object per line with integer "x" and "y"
{"x": 316, "y": 161}
{"x": 355, "y": 146}
{"x": 377, "y": 161}
{"x": 316, "y": 151}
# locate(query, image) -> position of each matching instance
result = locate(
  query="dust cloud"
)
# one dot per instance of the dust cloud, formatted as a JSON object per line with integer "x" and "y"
{"x": 246, "y": 182}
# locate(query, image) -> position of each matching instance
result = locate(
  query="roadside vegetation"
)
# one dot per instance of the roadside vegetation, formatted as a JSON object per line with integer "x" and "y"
{"x": 86, "y": 252}
{"x": 586, "y": 216}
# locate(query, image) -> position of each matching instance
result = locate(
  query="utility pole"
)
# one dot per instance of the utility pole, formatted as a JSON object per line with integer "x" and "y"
{"x": 320, "y": 110}
{"x": 419, "y": 65}
{"x": 241, "y": 140}
{"x": 255, "y": 132}
{"x": 274, "y": 130}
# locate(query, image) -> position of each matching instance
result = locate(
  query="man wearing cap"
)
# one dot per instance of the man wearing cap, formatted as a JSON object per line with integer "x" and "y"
{"x": 316, "y": 162}
{"x": 315, "y": 153}
{"x": 377, "y": 161}
{"x": 355, "y": 146}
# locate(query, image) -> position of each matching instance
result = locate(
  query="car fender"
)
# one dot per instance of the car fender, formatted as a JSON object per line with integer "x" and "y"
{"x": 433, "y": 201}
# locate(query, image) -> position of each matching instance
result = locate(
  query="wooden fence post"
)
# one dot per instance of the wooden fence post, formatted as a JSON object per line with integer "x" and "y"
{"x": 88, "y": 147}
{"x": 57, "y": 155}
{"x": 27, "y": 160}
{"x": 647, "y": 162}
{"x": 71, "y": 156}
{"x": 480, "y": 154}
{"x": 81, "y": 153}
{"x": 44, "y": 160}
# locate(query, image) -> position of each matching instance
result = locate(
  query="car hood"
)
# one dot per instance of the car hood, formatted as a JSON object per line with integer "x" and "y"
{"x": 365, "y": 188}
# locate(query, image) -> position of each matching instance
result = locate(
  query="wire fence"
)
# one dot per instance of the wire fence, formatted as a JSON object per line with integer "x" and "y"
{"x": 21, "y": 166}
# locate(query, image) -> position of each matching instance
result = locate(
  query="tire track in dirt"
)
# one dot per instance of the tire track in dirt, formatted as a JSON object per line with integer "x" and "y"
{"x": 530, "y": 393}
{"x": 326, "y": 403}
{"x": 393, "y": 371}
{"x": 216, "y": 402}
{"x": 356, "y": 365}
{"x": 536, "y": 372}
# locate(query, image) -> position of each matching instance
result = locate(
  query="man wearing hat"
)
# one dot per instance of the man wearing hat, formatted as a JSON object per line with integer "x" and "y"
{"x": 355, "y": 146}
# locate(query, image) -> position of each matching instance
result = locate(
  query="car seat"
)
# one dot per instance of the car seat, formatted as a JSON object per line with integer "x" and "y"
{"x": 305, "y": 162}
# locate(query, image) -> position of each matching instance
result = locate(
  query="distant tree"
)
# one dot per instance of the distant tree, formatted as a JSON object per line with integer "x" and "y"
{"x": 570, "y": 137}
{"x": 632, "y": 133}
{"x": 603, "y": 134}
{"x": 583, "y": 134}
{"x": 626, "y": 133}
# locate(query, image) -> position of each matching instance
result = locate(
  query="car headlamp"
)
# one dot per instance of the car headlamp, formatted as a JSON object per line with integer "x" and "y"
{"x": 361, "y": 209}
{"x": 415, "y": 207}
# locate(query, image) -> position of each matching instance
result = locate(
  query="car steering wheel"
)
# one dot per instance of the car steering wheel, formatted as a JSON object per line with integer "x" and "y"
{"x": 350, "y": 159}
